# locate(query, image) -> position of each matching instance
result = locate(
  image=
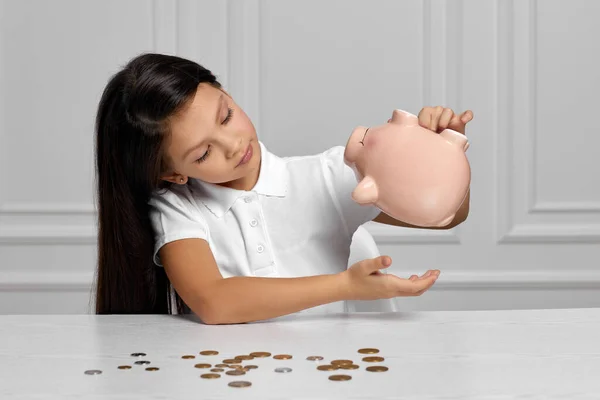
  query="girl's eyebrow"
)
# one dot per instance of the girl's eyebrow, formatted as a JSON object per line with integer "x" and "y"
{"x": 220, "y": 105}
{"x": 194, "y": 147}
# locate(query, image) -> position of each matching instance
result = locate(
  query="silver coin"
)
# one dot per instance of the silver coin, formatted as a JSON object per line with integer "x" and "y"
{"x": 142, "y": 362}
{"x": 283, "y": 369}
{"x": 314, "y": 358}
{"x": 138, "y": 354}
{"x": 93, "y": 372}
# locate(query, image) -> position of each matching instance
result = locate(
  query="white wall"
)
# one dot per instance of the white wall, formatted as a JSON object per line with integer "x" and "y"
{"x": 307, "y": 72}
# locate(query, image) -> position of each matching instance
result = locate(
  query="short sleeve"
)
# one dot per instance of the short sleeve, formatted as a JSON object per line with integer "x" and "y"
{"x": 342, "y": 181}
{"x": 174, "y": 216}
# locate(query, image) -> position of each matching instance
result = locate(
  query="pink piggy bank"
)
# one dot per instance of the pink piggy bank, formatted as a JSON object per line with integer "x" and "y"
{"x": 409, "y": 172}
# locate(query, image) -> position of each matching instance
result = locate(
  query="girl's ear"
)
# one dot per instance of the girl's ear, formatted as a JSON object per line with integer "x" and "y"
{"x": 175, "y": 178}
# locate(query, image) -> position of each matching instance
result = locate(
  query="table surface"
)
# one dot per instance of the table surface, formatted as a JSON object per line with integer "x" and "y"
{"x": 521, "y": 354}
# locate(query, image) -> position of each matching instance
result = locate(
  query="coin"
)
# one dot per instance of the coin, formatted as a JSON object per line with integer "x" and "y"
{"x": 282, "y": 357}
{"x": 152, "y": 369}
{"x": 235, "y": 372}
{"x": 373, "y": 359}
{"x": 210, "y": 376}
{"x": 93, "y": 372}
{"x": 340, "y": 377}
{"x": 377, "y": 368}
{"x": 138, "y": 354}
{"x": 243, "y": 357}
{"x": 327, "y": 367}
{"x": 202, "y": 365}
{"x": 368, "y": 351}
{"x": 222, "y": 365}
{"x": 217, "y": 370}
{"x": 251, "y": 366}
{"x": 232, "y": 361}
{"x": 188, "y": 356}
{"x": 260, "y": 354}
{"x": 283, "y": 370}
{"x": 341, "y": 362}
{"x": 124, "y": 367}
{"x": 349, "y": 366}
{"x": 314, "y": 358}
{"x": 142, "y": 362}
{"x": 209, "y": 353}
{"x": 239, "y": 384}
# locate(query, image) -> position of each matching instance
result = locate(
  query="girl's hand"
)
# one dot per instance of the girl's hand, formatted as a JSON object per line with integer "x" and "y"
{"x": 439, "y": 118}
{"x": 363, "y": 281}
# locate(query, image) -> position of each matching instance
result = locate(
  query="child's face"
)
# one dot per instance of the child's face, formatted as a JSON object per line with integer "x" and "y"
{"x": 209, "y": 138}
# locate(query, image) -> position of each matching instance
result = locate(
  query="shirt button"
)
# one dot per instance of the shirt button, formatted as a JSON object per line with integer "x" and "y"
{"x": 253, "y": 222}
{"x": 247, "y": 199}
{"x": 260, "y": 248}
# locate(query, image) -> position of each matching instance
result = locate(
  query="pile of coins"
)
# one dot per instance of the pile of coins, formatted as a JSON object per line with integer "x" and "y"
{"x": 234, "y": 366}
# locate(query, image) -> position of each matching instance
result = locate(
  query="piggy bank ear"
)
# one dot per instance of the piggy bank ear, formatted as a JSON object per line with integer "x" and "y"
{"x": 403, "y": 118}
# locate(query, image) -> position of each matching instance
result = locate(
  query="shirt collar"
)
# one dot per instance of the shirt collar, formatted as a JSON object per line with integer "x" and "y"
{"x": 272, "y": 181}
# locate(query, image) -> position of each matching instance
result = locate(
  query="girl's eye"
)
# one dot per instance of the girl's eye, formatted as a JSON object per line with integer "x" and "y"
{"x": 228, "y": 117}
{"x": 225, "y": 121}
{"x": 204, "y": 156}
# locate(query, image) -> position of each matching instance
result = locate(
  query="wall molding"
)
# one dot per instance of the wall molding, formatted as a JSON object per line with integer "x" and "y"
{"x": 53, "y": 234}
{"x": 565, "y": 207}
{"x": 23, "y": 208}
{"x": 448, "y": 281}
{"x": 516, "y": 25}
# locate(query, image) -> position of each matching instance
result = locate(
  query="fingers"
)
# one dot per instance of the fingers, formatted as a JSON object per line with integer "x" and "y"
{"x": 439, "y": 118}
{"x": 415, "y": 286}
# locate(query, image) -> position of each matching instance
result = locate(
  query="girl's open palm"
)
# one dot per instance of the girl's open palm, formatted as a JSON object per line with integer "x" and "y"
{"x": 365, "y": 282}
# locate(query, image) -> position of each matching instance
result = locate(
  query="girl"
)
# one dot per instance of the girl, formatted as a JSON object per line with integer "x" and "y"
{"x": 192, "y": 205}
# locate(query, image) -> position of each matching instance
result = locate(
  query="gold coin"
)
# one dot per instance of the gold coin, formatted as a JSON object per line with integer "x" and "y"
{"x": 340, "y": 377}
{"x": 152, "y": 369}
{"x": 124, "y": 366}
{"x": 251, "y": 367}
{"x": 349, "y": 366}
{"x": 244, "y": 357}
{"x": 232, "y": 361}
{"x": 235, "y": 372}
{"x": 368, "y": 351}
{"x": 210, "y": 376}
{"x": 327, "y": 367}
{"x": 282, "y": 357}
{"x": 202, "y": 365}
{"x": 209, "y": 353}
{"x": 377, "y": 368}
{"x": 341, "y": 362}
{"x": 217, "y": 370}
{"x": 188, "y": 356}
{"x": 260, "y": 354}
{"x": 373, "y": 359}
{"x": 314, "y": 358}
{"x": 239, "y": 384}
{"x": 222, "y": 365}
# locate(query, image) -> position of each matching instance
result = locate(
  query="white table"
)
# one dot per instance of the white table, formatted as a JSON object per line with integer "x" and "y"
{"x": 534, "y": 354}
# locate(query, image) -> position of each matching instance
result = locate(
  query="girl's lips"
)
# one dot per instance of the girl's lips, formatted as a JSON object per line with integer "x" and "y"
{"x": 247, "y": 155}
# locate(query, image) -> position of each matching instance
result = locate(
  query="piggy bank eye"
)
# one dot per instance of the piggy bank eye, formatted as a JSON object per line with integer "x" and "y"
{"x": 363, "y": 139}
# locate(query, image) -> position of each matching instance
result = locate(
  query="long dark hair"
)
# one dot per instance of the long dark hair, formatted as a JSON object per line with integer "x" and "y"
{"x": 131, "y": 125}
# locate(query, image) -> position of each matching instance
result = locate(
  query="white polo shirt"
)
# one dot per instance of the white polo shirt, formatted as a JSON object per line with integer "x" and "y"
{"x": 298, "y": 220}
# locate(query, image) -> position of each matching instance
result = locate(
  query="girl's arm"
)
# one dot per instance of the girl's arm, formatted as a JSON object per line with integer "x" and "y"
{"x": 193, "y": 271}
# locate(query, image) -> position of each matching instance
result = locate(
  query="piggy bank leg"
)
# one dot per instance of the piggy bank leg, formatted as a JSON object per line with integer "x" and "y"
{"x": 366, "y": 191}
